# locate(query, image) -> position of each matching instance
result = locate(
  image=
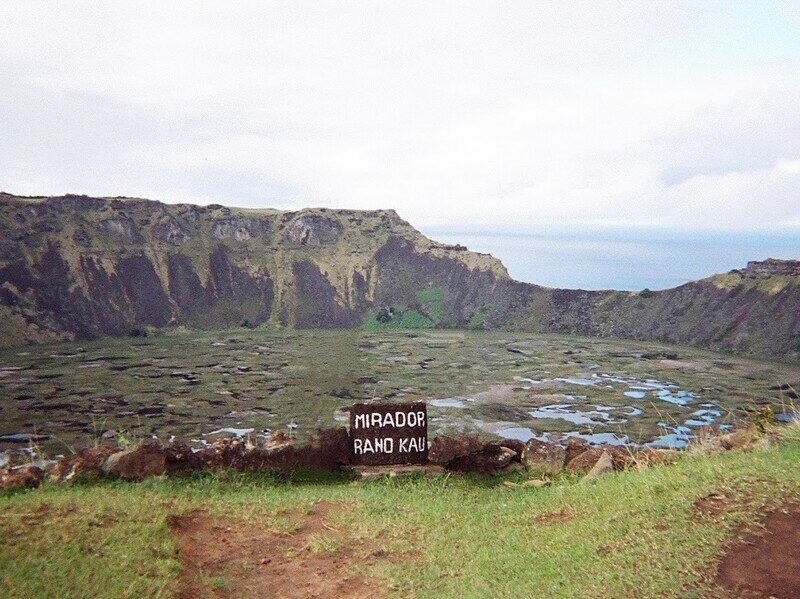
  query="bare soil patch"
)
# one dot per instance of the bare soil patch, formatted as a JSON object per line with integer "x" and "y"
{"x": 558, "y": 516}
{"x": 222, "y": 558}
{"x": 765, "y": 562}
{"x": 713, "y": 504}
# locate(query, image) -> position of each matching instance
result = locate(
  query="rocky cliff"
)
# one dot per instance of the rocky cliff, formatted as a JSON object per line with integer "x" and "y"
{"x": 75, "y": 267}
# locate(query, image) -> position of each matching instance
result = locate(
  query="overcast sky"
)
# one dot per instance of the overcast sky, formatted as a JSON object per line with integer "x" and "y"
{"x": 515, "y": 115}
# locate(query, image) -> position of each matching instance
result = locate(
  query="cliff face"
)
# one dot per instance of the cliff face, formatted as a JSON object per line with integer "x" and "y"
{"x": 75, "y": 267}
{"x": 724, "y": 312}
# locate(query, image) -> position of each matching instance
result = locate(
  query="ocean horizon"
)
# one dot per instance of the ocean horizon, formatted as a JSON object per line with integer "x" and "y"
{"x": 629, "y": 259}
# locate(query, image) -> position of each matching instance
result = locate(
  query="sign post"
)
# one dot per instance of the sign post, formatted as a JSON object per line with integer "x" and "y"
{"x": 383, "y": 434}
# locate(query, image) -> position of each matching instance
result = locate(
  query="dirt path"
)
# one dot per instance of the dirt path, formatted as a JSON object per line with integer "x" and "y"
{"x": 766, "y": 562}
{"x": 227, "y": 559}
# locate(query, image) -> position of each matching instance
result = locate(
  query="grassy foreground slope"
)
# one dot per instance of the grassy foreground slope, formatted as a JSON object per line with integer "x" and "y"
{"x": 634, "y": 533}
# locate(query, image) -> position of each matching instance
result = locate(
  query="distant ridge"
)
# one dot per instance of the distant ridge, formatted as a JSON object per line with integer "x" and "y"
{"x": 76, "y": 267}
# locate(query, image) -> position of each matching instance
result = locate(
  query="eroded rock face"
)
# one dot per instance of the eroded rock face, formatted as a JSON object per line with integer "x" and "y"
{"x": 241, "y": 228}
{"x": 403, "y": 271}
{"x": 170, "y": 231}
{"x": 311, "y": 230}
{"x": 771, "y": 267}
{"x": 318, "y": 305}
{"x": 121, "y": 227}
{"x": 444, "y": 450}
{"x": 146, "y": 296}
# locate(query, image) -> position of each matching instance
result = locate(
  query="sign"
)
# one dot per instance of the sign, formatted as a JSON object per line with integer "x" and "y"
{"x": 389, "y": 433}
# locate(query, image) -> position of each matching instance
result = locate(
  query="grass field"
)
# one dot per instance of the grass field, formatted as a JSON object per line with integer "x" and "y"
{"x": 629, "y": 534}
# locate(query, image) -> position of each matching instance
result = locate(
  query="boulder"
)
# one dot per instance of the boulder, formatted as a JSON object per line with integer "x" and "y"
{"x": 603, "y": 465}
{"x": 148, "y": 459}
{"x": 88, "y": 462}
{"x": 545, "y": 457}
{"x": 575, "y": 447}
{"x": 22, "y": 477}
{"x": 329, "y": 450}
{"x": 491, "y": 458}
{"x": 179, "y": 457}
{"x": 444, "y": 450}
{"x": 621, "y": 458}
{"x": 516, "y": 445}
{"x": 586, "y": 460}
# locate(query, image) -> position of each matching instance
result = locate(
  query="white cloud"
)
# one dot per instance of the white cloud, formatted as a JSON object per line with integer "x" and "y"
{"x": 480, "y": 113}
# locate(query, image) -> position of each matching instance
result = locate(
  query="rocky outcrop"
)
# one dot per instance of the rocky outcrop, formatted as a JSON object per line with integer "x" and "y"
{"x": 329, "y": 450}
{"x": 310, "y": 229}
{"x": 769, "y": 268}
{"x": 74, "y": 267}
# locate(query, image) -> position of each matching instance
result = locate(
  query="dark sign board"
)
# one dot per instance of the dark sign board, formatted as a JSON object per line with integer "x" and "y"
{"x": 389, "y": 433}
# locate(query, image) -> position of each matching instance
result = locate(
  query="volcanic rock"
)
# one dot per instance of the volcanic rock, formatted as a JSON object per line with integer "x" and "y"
{"x": 88, "y": 461}
{"x": 603, "y": 465}
{"x": 575, "y": 447}
{"x": 489, "y": 460}
{"x": 546, "y": 457}
{"x": 445, "y": 449}
{"x": 148, "y": 459}
{"x": 516, "y": 445}
{"x": 180, "y": 458}
{"x": 22, "y": 477}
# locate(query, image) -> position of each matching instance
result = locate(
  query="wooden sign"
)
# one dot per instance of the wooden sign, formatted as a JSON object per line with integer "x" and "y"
{"x": 389, "y": 434}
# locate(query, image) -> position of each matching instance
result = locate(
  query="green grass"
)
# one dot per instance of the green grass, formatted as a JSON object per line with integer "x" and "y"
{"x": 478, "y": 319}
{"x": 431, "y": 300}
{"x": 627, "y": 534}
{"x": 404, "y": 319}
